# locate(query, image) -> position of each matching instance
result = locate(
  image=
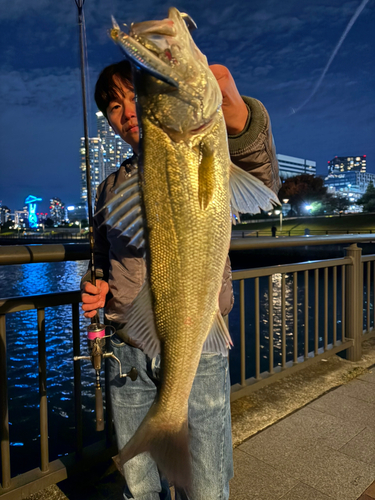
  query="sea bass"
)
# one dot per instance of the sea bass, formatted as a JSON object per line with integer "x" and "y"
{"x": 187, "y": 189}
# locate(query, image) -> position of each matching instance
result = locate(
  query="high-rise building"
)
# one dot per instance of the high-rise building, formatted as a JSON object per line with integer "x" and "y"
{"x": 77, "y": 212}
{"x": 96, "y": 154}
{"x": 347, "y": 164}
{"x": 115, "y": 150}
{"x": 57, "y": 211}
{"x": 21, "y": 217}
{"x": 290, "y": 166}
{"x": 106, "y": 153}
{"x": 4, "y": 214}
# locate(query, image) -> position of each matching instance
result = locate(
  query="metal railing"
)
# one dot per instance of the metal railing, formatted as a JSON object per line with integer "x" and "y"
{"x": 351, "y": 297}
{"x": 251, "y": 233}
{"x": 49, "y": 472}
{"x": 44, "y": 236}
{"x": 352, "y": 294}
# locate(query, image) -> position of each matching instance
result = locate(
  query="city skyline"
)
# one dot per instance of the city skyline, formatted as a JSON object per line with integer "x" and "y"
{"x": 276, "y": 53}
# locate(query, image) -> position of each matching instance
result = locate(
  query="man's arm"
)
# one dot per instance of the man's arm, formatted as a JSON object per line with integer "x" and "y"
{"x": 251, "y": 143}
{"x": 251, "y": 147}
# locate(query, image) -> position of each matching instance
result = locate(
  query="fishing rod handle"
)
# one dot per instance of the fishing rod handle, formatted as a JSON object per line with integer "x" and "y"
{"x": 99, "y": 412}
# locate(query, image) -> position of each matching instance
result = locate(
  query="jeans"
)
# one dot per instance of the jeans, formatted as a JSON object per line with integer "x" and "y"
{"x": 209, "y": 425}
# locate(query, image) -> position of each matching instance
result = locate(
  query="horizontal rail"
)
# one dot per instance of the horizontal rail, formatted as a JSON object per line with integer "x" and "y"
{"x": 28, "y": 254}
{"x": 297, "y": 241}
{"x": 290, "y": 268}
{"x": 16, "y": 304}
{"x": 368, "y": 258}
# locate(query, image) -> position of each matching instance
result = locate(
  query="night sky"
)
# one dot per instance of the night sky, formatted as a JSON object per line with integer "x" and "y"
{"x": 276, "y": 51}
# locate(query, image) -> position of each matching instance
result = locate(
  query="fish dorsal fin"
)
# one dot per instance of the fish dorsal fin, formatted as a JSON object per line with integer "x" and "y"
{"x": 140, "y": 325}
{"x": 205, "y": 176}
{"x": 248, "y": 195}
{"x": 218, "y": 339}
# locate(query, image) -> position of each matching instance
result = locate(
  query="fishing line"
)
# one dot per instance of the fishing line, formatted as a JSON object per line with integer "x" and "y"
{"x": 333, "y": 55}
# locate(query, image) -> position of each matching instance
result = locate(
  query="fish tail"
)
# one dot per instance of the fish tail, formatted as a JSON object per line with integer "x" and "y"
{"x": 167, "y": 446}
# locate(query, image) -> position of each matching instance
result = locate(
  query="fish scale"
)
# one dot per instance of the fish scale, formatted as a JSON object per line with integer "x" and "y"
{"x": 183, "y": 238}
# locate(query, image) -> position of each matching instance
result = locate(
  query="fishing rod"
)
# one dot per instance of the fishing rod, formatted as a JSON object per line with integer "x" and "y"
{"x": 96, "y": 337}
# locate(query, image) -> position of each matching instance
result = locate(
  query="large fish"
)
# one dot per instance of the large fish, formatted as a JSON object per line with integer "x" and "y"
{"x": 187, "y": 197}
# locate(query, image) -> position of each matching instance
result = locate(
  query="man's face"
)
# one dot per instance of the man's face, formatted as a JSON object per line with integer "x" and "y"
{"x": 122, "y": 115}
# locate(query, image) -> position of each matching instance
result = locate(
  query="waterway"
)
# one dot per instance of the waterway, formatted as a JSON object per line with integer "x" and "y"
{"x": 22, "y": 348}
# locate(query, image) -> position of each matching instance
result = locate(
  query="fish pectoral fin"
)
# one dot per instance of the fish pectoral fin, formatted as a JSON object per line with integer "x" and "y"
{"x": 140, "y": 324}
{"x": 206, "y": 183}
{"x": 219, "y": 339}
{"x": 248, "y": 195}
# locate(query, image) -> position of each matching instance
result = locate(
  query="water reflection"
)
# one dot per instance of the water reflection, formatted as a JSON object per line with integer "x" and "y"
{"x": 22, "y": 350}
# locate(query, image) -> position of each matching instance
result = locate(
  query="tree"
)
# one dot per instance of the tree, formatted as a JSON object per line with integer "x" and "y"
{"x": 48, "y": 222}
{"x": 303, "y": 189}
{"x": 337, "y": 203}
{"x": 368, "y": 199}
{"x": 7, "y": 225}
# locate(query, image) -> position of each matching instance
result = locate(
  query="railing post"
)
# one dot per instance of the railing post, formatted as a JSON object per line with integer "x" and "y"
{"x": 354, "y": 303}
{"x": 44, "y": 467}
{"x": 4, "y": 431}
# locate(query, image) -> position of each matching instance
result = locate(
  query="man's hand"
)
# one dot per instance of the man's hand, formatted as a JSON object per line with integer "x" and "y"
{"x": 93, "y": 297}
{"x": 234, "y": 109}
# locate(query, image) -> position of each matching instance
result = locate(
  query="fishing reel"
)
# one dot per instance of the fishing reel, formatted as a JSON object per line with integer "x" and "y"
{"x": 96, "y": 342}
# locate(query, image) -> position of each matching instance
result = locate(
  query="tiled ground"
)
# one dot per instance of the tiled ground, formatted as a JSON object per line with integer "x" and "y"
{"x": 324, "y": 451}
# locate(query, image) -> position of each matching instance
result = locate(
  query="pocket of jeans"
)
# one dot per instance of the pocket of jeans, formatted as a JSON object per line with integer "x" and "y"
{"x": 116, "y": 342}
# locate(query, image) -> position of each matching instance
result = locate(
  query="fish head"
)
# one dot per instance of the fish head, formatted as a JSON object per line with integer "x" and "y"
{"x": 172, "y": 79}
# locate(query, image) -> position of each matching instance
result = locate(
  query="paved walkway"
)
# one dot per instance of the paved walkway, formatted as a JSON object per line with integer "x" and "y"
{"x": 307, "y": 437}
{"x": 324, "y": 451}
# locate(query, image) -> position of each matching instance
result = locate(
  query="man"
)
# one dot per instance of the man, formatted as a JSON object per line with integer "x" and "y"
{"x": 121, "y": 271}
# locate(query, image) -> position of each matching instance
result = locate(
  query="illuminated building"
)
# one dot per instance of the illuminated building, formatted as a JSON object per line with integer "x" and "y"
{"x": 57, "y": 211}
{"x": 347, "y": 164}
{"x": 21, "y": 217}
{"x": 106, "y": 154}
{"x": 351, "y": 185}
{"x": 31, "y": 202}
{"x": 42, "y": 216}
{"x": 4, "y": 214}
{"x": 96, "y": 167}
{"x": 77, "y": 212}
{"x": 290, "y": 166}
{"x": 115, "y": 150}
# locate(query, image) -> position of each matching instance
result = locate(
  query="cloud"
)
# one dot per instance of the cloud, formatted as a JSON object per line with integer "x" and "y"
{"x": 57, "y": 89}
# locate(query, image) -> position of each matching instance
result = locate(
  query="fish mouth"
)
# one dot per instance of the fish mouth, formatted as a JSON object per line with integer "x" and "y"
{"x": 201, "y": 128}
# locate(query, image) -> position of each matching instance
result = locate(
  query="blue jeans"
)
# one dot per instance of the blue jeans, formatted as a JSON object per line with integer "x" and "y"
{"x": 209, "y": 425}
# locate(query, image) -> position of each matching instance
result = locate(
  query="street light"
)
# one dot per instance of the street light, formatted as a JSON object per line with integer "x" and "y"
{"x": 277, "y": 212}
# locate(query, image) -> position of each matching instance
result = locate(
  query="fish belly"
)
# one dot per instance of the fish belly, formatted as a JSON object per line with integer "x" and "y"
{"x": 188, "y": 246}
